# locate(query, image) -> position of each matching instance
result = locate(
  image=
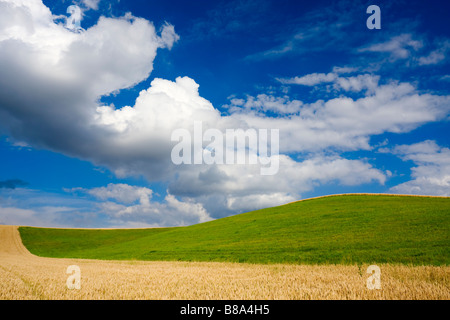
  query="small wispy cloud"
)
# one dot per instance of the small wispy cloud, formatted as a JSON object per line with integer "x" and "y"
{"x": 356, "y": 83}
{"x": 413, "y": 48}
{"x": 398, "y": 47}
{"x": 314, "y": 31}
{"x": 310, "y": 79}
{"x": 436, "y": 56}
{"x": 91, "y": 4}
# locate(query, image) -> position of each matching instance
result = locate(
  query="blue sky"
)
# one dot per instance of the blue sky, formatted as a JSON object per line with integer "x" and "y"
{"x": 86, "y": 117}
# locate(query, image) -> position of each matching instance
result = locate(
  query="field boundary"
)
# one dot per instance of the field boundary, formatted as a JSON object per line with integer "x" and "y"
{"x": 367, "y": 194}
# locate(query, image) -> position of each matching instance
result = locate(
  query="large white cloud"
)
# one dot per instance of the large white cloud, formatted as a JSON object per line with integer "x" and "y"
{"x": 52, "y": 79}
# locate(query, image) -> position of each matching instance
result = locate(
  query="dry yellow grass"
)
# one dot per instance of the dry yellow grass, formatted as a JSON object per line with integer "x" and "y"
{"x": 25, "y": 276}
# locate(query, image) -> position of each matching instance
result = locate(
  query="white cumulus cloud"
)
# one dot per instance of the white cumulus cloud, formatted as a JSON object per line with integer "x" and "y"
{"x": 126, "y": 204}
{"x": 431, "y": 173}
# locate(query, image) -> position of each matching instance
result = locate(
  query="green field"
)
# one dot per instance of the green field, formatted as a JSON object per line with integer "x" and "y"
{"x": 344, "y": 229}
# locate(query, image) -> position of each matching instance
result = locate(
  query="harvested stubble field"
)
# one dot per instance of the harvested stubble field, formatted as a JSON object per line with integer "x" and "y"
{"x": 26, "y": 276}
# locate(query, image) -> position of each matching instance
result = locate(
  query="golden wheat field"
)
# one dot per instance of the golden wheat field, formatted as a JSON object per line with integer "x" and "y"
{"x": 25, "y": 276}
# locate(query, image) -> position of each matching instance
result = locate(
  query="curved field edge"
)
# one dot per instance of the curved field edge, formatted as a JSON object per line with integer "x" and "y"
{"x": 344, "y": 229}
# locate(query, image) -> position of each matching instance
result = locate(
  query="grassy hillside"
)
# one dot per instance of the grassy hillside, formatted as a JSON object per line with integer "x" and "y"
{"x": 340, "y": 229}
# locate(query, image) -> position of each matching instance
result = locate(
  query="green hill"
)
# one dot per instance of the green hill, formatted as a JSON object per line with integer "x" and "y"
{"x": 338, "y": 229}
